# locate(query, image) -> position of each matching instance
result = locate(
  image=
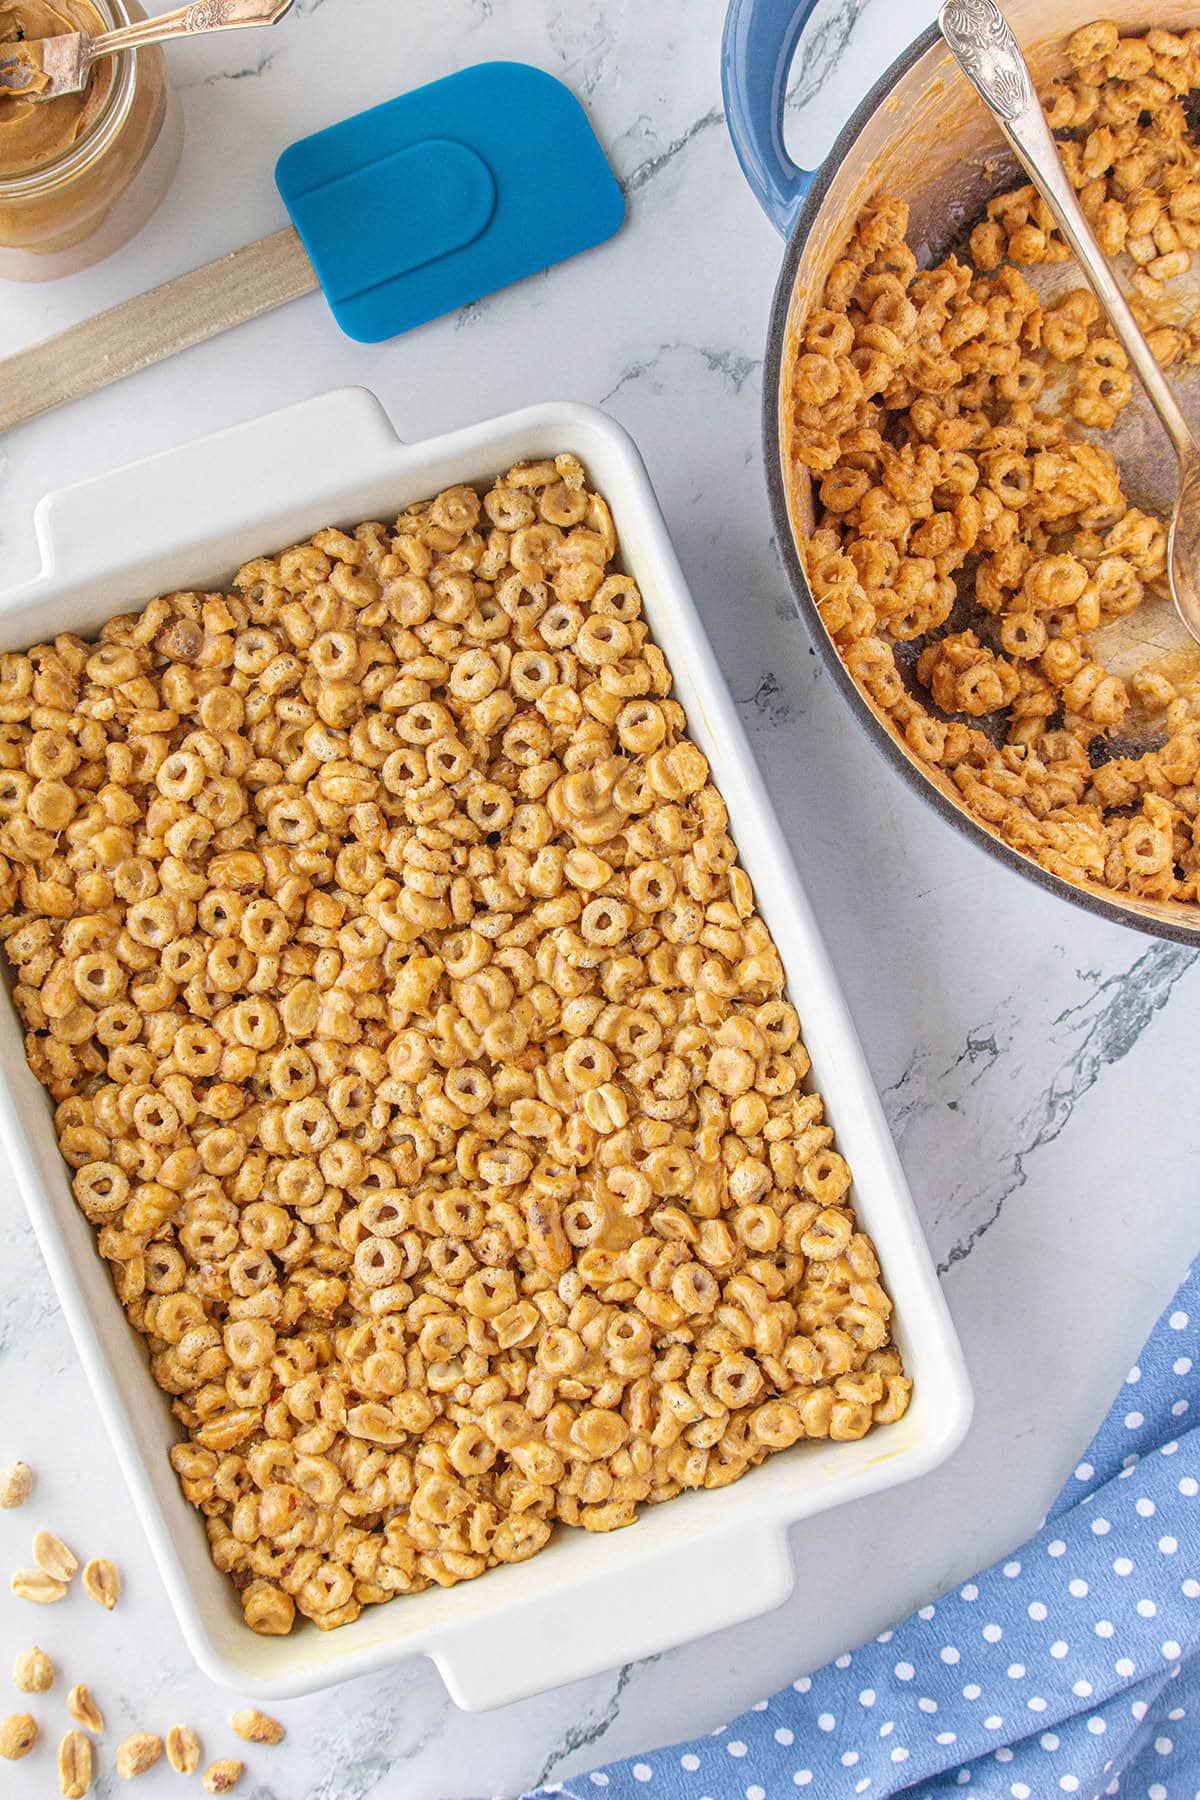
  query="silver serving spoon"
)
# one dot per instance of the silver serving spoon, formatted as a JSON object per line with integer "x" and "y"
{"x": 44, "y": 68}
{"x": 988, "y": 54}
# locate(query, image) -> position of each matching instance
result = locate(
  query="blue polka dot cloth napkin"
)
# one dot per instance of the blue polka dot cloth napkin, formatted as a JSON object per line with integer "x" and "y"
{"x": 1071, "y": 1668}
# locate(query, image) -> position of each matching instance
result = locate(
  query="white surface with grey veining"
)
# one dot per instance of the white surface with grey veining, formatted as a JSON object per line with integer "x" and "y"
{"x": 1037, "y": 1066}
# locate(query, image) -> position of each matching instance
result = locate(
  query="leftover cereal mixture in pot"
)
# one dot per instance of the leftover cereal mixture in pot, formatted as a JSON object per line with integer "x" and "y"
{"x": 972, "y": 534}
{"x": 425, "y": 1067}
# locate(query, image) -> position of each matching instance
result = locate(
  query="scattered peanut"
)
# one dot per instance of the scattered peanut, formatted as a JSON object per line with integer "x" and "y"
{"x": 137, "y": 1754}
{"x": 101, "y": 1582}
{"x": 74, "y": 1766}
{"x": 222, "y": 1777}
{"x": 33, "y": 1672}
{"x": 256, "y": 1727}
{"x": 52, "y": 1555}
{"x": 16, "y": 1484}
{"x": 83, "y": 1708}
{"x": 37, "y": 1586}
{"x": 18, "y": 1735}
{"x": 183, "y": 1750}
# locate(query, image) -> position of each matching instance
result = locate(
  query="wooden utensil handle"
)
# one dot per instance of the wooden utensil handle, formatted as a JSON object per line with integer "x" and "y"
{"x": 152, "y": 326}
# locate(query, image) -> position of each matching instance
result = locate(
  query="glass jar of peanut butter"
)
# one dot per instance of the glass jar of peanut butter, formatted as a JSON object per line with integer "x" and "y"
{"x": 81, "y": 174}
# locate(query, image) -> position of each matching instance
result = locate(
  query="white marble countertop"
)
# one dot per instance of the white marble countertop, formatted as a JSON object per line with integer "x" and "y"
{"x": 1036, "y": 1064}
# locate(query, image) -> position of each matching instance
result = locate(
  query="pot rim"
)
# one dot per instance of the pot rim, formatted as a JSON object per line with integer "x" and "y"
{"x": 879, "y": 735}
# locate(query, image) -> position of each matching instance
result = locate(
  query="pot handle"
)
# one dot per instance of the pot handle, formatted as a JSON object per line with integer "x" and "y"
{"x": 759, "y": 42}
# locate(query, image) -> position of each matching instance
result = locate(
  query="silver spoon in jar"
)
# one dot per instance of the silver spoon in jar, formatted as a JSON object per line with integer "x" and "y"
{"x": 988, "y": 54}
{"x": 45, "y": 68}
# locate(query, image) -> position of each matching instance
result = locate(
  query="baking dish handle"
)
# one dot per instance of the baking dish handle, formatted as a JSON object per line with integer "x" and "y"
{"x": 336, "y": 439}
{"x": 544, "y": 1640}
{"x": 759, "y": 42}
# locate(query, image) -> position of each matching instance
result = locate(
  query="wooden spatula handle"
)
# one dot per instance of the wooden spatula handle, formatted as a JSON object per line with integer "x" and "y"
{"x": 153, "y": 326}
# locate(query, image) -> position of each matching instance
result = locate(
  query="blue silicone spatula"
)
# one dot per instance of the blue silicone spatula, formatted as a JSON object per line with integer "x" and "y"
{"x": 402, "y": 213}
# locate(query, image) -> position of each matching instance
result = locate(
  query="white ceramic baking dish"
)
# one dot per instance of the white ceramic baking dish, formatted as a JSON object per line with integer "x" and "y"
{"x": 187, "y": 519}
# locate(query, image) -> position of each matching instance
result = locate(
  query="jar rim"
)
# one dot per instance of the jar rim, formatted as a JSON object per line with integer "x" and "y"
{"x": 109, "y": 121}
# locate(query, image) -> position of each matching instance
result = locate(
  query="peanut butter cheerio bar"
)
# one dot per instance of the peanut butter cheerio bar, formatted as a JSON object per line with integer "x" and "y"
{"x": 423, "y": 1063}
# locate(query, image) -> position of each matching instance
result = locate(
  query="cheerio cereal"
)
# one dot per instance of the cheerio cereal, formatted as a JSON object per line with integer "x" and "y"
{"x": 951, "y": 422}
{"x": 423, "y": 1062}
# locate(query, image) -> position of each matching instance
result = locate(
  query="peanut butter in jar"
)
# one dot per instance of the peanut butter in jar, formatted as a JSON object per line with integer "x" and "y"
{"x": 81, "y": 174}
{"x": 35, "y": 131}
